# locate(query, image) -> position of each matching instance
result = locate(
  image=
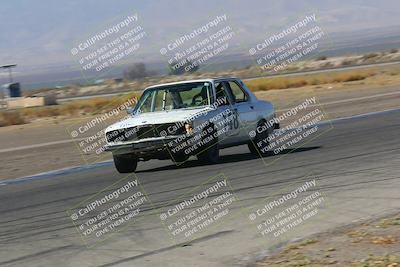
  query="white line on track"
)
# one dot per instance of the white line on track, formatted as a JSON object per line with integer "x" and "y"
{"x": 360, "y": 98}
{"x": 360, "y": 115}
{"x": 40, "y": 145}
{"x": 350, "y": 100}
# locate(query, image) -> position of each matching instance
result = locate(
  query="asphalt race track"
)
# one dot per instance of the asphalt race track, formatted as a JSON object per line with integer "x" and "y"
{"x": 355, "y": 163}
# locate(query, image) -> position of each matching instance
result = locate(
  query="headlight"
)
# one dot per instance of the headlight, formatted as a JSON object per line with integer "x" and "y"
{"x": 189, "y": 127}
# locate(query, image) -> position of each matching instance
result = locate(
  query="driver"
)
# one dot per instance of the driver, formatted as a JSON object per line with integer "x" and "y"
{"x": 203, "y": 95}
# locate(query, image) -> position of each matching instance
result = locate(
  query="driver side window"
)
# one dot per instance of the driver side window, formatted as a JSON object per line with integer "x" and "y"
{"x": 222, "y": 94}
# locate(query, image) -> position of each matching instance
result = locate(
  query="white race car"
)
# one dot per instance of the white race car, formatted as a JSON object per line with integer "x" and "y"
{"x": 190, "y": 118}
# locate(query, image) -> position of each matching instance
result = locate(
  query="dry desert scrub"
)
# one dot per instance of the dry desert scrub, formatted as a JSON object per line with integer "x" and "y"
{"x": 264, "y": 84}
{"x": 68, "y": 109}
{"x": 11, "y": 118}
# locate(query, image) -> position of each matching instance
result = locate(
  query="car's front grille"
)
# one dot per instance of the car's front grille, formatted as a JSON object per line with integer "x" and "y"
{"x": 171, "y": 128}
{"x": 121, "y": 135}
{"x": 146, "y": 131}
{"x": 158, "y": 130}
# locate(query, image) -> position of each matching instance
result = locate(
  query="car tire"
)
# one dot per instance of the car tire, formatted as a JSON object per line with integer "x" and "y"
{"x": 125, "y": 163}
{"x": 254, "y": 149}
{"x": 179, "y": 159}
{"x": 210, "y": 154}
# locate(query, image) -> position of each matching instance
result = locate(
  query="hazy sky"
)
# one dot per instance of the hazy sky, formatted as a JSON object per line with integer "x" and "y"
{"x": 44, "y": 31}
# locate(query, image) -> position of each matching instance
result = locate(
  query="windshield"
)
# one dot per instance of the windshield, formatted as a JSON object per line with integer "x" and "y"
{"x": 177, "y": 96}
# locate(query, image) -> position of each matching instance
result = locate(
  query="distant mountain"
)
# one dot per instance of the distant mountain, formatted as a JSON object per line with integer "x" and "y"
{"x": 38, "y": 35}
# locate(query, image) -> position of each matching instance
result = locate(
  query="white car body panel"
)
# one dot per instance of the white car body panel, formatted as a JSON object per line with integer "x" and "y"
{"x": 156, "y": 118}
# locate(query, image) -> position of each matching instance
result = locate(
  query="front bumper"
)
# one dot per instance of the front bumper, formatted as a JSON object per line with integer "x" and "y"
{"x": 143, "y": 146}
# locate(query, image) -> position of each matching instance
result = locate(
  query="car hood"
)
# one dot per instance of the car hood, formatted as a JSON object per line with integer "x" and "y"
{"x": 157, "y": 118}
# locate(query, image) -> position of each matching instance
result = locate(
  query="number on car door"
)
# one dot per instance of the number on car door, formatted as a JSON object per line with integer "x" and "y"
{"x": 246, "y": 114}
{"x": 230, "y": 113}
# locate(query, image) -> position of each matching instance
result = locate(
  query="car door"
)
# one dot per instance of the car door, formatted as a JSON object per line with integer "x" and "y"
{"x": 231, "y": 116}
{"x": 227, "y": 113}
{"x": 243, "y": 107}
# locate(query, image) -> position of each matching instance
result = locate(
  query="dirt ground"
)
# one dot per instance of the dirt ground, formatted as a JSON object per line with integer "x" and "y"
{"x": 370, "y": 244}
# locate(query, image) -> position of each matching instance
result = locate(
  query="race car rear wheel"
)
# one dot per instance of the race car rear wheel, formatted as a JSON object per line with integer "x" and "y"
{"x": 261, "y": 138}
{"x": 125, "y": 163}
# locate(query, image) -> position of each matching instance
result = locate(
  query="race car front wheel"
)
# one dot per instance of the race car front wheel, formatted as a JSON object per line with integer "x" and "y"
{"x": 125, "y": 163}
{"x": 210, "y": 153}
